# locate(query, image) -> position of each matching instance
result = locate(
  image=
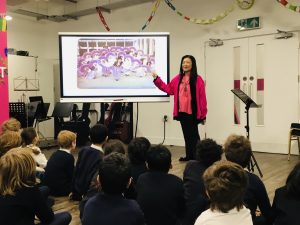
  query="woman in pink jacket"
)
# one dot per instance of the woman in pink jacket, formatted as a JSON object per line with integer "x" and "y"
{"x": 190, "y": 106}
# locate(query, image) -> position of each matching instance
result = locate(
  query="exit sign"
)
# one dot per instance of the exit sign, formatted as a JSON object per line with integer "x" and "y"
{"x": 248, "y": 23}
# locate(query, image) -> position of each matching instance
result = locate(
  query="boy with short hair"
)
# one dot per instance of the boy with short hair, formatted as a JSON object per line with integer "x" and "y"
{"x": 109, "y": 207}
{"x": 237, "y": 149}
{"x": 160, "y": 194}
{"x": 88, "y": 160}
{"x": 60, "y": 167}
{"x": 225, "y": 183}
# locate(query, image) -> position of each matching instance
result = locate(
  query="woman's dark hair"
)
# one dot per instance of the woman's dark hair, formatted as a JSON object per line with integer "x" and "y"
{"x": 293, "y": 183}
{"x": 193, "y": 73}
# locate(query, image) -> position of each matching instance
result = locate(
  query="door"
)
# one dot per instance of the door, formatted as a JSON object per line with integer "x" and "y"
{"x": 266, "y": 69}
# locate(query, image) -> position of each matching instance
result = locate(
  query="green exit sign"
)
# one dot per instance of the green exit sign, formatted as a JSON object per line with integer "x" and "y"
{"x": 248, "y": 23}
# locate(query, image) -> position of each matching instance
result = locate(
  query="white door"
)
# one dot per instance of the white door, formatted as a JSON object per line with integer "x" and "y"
{"x": 225, "y": 65}
{"x": 266, "y": 69}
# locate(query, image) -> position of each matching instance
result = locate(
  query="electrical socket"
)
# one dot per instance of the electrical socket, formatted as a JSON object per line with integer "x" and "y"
{"x": 165, "y": 118}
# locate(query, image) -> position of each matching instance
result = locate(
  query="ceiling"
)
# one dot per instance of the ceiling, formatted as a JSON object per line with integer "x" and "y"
{"x": 63, "y": 10}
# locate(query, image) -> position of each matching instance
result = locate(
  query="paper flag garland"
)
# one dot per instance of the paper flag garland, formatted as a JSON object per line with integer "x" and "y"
{"x": 98, "y": 9}
{"x": 154, "y": 9}
{"x": 3, "y": 24}
{"x": 288, "y": 5}
{"x": 201, "y": 21}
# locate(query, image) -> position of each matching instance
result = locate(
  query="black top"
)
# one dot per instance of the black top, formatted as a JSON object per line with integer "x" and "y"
{"x": 86, "y": 166}
{"x": 104, "y": 209}
{"x": 21, "y": 208}
{"x": 137, "y": 170}
{"x": 160, "y": 196}
{"x": 286, "y": 210}
{"x": 59, "y": 173}
{"x": 256, "y": 196}
{"x": 194, "y": 191}
{"x": 192, "y": 179}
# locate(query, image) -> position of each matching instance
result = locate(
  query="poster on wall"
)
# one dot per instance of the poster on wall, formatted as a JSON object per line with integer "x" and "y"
{"x": 3, "y": 63}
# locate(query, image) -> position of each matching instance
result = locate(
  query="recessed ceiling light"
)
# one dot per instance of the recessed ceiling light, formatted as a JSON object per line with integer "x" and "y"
{"x": 7, "y": 17}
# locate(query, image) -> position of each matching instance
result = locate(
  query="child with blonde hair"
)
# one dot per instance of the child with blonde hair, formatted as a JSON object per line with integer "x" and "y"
{"x": 60, "y": 167}
{"x": 20, "y": 199}
{"x": 30, "y": 140}
{"x": 11, "y": 124}
{"x": 9, "y": 140}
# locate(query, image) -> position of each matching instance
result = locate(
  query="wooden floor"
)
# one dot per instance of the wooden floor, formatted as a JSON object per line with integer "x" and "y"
{"x": 274, "y": 167}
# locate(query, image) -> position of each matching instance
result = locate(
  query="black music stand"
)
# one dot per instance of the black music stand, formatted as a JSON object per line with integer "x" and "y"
{"x": 249, "y": 103}
{"x": 40, "y": 113}
{"x": 17, "y": 110}
{"x": 60, "y": 111}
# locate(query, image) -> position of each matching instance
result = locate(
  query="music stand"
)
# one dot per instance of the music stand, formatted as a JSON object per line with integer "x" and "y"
{"x": 249, "y": 103}
{"x": 17, "y": 110}
{"x": 41, "y": 112}
{"x": 31, "y": 112}
{"x": 62, "y": 110}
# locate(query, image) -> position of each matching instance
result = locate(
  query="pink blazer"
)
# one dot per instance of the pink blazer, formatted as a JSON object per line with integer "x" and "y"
{"x": 172, "y": 89}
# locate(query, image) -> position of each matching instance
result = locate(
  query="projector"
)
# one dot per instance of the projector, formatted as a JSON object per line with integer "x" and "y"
{"x": 283, "y": 35}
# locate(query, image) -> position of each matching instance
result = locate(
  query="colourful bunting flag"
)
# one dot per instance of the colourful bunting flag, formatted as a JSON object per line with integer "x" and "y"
{"x": 154, "y": 9}
{"x": 3, "y": 25}
{"x": 98, "y": 9}
{"x": 201, "y": 21}
{"x": 288, "y": 5}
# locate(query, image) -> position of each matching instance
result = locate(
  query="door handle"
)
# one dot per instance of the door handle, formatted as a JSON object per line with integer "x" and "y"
{"x": 245, "y": 84}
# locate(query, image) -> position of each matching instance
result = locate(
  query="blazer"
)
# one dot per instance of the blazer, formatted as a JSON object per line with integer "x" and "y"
{"x": 172, "y": 89}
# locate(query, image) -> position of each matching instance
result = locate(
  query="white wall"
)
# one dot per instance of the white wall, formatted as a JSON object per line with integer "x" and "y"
{"x": 40, "y": 38}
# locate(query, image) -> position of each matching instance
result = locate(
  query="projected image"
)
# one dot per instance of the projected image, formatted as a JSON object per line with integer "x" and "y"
{"x": 111, "y": 63}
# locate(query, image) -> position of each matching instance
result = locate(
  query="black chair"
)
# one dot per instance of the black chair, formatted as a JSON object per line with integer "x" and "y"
{"x": 294, "y": 136}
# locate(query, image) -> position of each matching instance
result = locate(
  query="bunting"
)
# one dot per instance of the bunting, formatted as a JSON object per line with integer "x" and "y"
{"x": 288, "y": 5}
{"x": 154, "y": 9}
{"x": 3, "y": 25}
{"x": 201, "y": 21}
{"x": 98, "y": 9}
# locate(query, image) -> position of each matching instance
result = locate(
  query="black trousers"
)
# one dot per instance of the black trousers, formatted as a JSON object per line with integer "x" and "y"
{"x": 190, "y": 133}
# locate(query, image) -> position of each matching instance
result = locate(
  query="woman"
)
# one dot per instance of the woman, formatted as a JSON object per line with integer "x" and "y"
{"x": 190, "y": 107}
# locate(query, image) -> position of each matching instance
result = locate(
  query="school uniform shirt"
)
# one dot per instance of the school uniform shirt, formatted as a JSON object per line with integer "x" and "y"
{"x": 160, "y": 196}
{"x": 286, "y": 209}
{"x": 59, "y": 172}
{"x": 105, "y": 209}
{"x": 21, "y": 208}
{"x": 39, "y": 158}
{"x": 87, "y": 165}
{"x": 256, "y": 196}
{"x": 194, "y": 191}
{"x": 232, "y": 217}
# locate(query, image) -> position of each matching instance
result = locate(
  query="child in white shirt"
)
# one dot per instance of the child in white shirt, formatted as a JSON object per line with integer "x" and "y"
{"x": 30, "y": 140}
{"x": 225, "y": 183}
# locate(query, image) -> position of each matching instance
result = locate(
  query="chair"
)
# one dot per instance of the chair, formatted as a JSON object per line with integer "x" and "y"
{"x": 294, "y": 135}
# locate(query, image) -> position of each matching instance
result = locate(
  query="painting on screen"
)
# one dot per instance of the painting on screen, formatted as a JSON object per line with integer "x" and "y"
{"x": 110, "y": 63}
